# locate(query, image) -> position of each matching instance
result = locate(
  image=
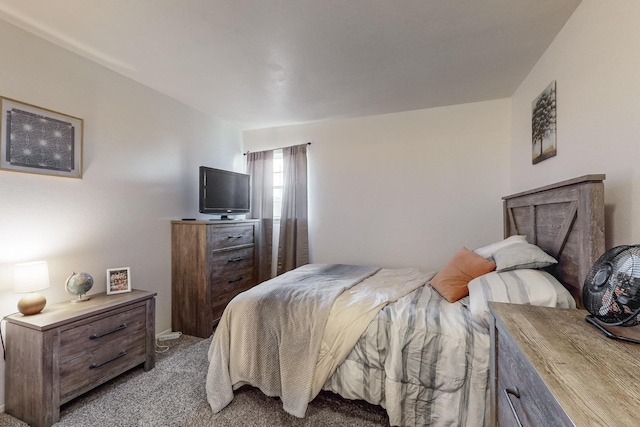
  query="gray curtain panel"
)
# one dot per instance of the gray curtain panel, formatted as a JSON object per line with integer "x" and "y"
{"x": 293, "y": 247}
{"x": 260, "y": 167}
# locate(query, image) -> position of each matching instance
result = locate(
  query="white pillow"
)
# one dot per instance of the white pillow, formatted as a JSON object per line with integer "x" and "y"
{"x": 489, "y": 250}
{"x": 522, "y": 255}
{"x": 525, "y": 286}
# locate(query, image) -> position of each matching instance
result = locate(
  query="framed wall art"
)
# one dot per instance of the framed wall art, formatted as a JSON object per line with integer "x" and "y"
{"x": 543, "y": 124}
{"x": 37, "y": 140}
{"x": 118, "y": 280}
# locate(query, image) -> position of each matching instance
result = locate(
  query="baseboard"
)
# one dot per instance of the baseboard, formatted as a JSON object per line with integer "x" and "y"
{"x": 166, "y": 331}
{"x": 1, "y": 409}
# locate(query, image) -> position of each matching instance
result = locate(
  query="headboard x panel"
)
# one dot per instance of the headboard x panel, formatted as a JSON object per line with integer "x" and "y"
{"x": 566, "y": 220}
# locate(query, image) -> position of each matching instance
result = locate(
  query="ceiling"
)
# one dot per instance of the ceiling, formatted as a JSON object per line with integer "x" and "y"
{"x": 265, "y": 63}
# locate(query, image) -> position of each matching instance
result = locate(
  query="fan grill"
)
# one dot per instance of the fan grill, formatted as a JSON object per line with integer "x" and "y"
{"x": 612, "y": 288}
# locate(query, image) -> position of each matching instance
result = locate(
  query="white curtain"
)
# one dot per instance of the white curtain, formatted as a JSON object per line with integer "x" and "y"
{"x": 260, "y": 167}
{"x": 293, "y": 246}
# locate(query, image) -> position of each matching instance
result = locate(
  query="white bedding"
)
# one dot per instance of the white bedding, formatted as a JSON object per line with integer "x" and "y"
{"x": 423, "y": 361}
{"x": 422, "y": 358}
{"x": 269, "y": 336}
{"x": 426, "y": 361}
{"x": 353, "y": 311}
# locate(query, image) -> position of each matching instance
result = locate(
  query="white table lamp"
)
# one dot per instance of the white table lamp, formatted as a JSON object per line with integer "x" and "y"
{"x": 31, "y": 277}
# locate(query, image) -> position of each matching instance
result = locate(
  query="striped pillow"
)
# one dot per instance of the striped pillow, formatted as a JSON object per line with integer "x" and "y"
{"x": 524, "y": 286}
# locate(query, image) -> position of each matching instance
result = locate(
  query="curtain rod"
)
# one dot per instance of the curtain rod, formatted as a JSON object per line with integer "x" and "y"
{"x": 308, "y": 143}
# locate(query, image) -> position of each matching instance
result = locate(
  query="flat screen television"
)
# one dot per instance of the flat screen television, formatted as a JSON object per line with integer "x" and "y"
{"x": 224, "y": 192}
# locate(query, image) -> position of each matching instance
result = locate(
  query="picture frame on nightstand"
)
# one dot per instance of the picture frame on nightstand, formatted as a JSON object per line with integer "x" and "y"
{"x": 118, "y": 280}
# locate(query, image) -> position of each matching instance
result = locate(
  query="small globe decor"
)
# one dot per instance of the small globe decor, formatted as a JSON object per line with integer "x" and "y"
{"x": 79, "y": 284}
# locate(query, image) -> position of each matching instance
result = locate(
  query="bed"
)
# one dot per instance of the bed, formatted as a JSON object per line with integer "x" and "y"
{"x": 415, "y": 343}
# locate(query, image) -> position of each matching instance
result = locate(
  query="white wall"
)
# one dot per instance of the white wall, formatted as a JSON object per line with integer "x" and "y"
{"x": 141, "y": 153}
{"x": 406, "y": 189}
{"x": 595, "y": 60}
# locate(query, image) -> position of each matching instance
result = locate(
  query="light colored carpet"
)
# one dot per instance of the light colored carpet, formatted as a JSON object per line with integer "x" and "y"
{"x": 173, "y": 394}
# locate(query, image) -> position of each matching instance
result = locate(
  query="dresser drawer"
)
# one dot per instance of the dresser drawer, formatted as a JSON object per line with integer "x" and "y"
{"x": 83, "y": 373}
{"x": 227, "y": 236}
{"x": 220, "y": 299}
{"x": 230, "y": 266}
{"x": 114, "y": 330}
{"x": 532, "y": 402}
{"x": 100, "y": 350}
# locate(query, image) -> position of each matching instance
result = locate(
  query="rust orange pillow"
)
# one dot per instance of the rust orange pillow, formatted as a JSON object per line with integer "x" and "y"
{"x": 451, "y": 282}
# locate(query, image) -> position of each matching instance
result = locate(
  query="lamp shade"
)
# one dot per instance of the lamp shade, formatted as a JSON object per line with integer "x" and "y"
{"x": 31, "y": 276}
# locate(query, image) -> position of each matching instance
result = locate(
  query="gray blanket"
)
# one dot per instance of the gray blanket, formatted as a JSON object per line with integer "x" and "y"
{"x": 270, "y": 335}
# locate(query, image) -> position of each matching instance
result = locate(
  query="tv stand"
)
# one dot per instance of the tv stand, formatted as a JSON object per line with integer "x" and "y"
{"x": 227, "y": 218}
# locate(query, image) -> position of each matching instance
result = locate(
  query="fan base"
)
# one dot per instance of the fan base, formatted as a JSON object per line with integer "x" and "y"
{"x": 622, "y": 333}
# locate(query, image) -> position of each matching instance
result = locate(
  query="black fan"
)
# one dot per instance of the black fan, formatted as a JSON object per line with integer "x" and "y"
{"x": 611, "y": 293}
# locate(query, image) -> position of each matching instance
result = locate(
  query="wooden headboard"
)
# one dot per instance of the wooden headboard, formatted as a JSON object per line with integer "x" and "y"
{"x": 566, "y": 220}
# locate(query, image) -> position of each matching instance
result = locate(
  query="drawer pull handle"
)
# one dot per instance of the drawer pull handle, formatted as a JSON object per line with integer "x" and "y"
{"x": 237, "y": 236}
{"x": 236, "y": 259}
{"x": 118, "y": 356}
{"x": 236, "y": 280}
{"x": 96, "y": 336}
{"x": 516, "y": 393}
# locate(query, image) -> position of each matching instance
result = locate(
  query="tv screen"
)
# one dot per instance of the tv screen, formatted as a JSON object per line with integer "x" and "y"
{"x": 224, "y": 192}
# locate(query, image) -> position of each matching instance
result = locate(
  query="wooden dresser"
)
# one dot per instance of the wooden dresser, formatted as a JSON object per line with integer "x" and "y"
{"x": 70, "y": 348}
{"x": 211, "y": 262}
{"x": 551, "y": 368}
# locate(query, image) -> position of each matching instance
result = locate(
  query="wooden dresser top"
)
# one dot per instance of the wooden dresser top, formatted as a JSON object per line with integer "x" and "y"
{"x": 594, "y": 378}
{"x": 55, "y": 315}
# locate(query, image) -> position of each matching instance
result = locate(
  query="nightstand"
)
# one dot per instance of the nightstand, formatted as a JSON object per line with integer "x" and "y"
{"x": 548, "y": 367}
{"x": 70, "y": 348}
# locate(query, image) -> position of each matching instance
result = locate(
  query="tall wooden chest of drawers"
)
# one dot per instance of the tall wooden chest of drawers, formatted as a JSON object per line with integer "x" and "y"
{"x": 68, "y": 349}
{"x": 211, "y": 262}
